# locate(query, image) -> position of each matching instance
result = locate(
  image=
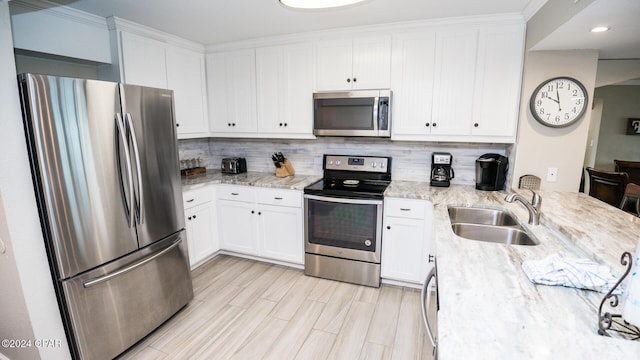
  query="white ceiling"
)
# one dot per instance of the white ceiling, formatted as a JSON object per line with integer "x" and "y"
{"x": 210, "y": 22}
{"x": 622, "y": 41}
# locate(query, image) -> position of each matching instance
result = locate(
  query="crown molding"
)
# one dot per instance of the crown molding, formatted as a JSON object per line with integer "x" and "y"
{"x": 372, "y": 30}
{"x": 61, "y": 11}
{"x": 119, "y": 24}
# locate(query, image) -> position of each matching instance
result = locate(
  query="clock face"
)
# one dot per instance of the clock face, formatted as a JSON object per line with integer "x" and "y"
{"x": 559, "y": 102}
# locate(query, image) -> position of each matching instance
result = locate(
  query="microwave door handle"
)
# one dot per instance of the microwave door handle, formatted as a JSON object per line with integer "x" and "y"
{"x": 376, "y": 113}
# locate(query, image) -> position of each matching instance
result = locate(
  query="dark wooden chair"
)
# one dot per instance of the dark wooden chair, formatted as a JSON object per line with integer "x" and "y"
{"x": 630, "y": 167}
{"x": 631, "y": 199}
{"x": 607, "y": 186}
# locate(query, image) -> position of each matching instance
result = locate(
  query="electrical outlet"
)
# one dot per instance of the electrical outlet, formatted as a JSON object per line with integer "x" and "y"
{"x": 552, "y": 174}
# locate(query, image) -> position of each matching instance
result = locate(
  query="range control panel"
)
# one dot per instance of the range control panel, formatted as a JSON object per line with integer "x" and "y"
{"x": 356, "y": 163}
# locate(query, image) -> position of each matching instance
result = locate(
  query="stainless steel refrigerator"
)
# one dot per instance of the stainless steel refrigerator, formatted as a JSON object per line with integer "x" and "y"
{"x": 106, "y": 174}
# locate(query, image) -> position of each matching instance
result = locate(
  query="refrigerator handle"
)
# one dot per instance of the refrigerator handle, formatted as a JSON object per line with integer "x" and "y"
{"x": 129, "y": 175}
{"x": 109, "y": 276}
{"x": 136, "y": 153}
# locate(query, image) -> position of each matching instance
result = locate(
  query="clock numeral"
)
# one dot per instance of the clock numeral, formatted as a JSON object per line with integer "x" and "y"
{"x": 544, "y": 94}
{"x": 557, "y": 118}
{"x": 539, "y": 102}
{"x": 550, "y": 88}
{"x": 541, "y": 111}
{"x": 566, "y": 116}
{"x": 574, "y": 110}
{"x": 548, "y": 116}
{"x": 578, "y": 101}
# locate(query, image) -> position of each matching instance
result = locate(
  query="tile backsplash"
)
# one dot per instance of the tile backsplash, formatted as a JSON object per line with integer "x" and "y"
{"x": 410, "y": 160}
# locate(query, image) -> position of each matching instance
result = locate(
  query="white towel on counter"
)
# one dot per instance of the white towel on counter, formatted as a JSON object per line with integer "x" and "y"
{"x": 570, "y": 272}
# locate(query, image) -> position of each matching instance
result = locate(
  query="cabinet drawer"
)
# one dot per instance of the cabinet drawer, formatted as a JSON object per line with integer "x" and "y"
{"x": 406, "y": 208}
{"x": 280, "y": 197}
{"x": 197, "y": 197}
{"x": 236, "y": 193}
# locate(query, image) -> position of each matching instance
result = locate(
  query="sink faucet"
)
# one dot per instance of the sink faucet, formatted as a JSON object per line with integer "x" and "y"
{"x": 533, "y": 206}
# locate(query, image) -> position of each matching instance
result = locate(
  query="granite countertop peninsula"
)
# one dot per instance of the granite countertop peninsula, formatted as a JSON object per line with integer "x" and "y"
{"x": 251, "y": 178}
{"x": 490, "y": 310}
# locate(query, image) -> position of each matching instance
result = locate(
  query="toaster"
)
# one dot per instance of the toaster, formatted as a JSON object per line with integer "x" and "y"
{"x": 234, "y": 165}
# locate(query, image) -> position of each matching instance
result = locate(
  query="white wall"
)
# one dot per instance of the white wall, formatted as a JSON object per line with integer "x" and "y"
{"x": 540, "y": 147}
{"x": 31, "y": 269}
{"x": 41, "y": 28}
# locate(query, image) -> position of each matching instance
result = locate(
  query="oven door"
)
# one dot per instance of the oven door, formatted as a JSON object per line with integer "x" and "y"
{"x": 343, "y": 228}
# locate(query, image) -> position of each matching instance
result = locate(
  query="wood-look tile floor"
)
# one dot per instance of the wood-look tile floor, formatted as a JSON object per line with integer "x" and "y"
{"x": 245, "y": 309}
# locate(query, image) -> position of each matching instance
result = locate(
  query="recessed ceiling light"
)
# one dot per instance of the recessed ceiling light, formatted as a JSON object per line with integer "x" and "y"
{"x": 598, "y": 29}
{"x": 318, "y": 4}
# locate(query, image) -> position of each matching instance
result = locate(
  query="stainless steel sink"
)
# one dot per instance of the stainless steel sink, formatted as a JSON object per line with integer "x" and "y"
{"x": 475, "y": 215}
{"x": 494, "y": 234}
{"x": 489, "y": 225}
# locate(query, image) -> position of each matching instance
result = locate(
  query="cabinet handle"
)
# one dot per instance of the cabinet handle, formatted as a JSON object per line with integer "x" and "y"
{"x": 431, "y": 258}
{"x": 228, "y": 124}
{"x": 348, "y": 80}
{"x": 285, "y": 124}
{"x": 235, "y": 194}
{"x": 388, "y": 227}
{"x": 253, "y": 212}
{"x": 280, "y": 124}
{"x": 190, "y": 200}
{"x": 405, "y": 209}
{"x": 177, "y": 125}
{"x": 194, "y": 216}
{"x": 476, "y": 125}
{"x": 277, "y": 198}
{"x": 259, "y": 213}
{"x": 189, "y": 218}
{"x": 427, "y": 124}
{"x": 233, "y": 124}
{"x": 434, "y": 124}
{"x": 354, "y": 79}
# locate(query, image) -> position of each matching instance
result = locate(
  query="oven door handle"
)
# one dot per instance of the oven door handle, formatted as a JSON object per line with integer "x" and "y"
{"x": 343, "y": 200}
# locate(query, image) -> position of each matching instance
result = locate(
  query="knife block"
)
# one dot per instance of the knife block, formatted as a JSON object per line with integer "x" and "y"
{"x": 285, "y": 170}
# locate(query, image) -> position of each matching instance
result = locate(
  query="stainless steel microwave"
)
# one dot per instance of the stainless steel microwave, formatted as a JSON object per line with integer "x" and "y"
{"x": 352, "y": 113}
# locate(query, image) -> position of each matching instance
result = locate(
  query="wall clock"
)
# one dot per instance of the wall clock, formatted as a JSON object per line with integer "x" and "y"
{"x": 559, "y": 102}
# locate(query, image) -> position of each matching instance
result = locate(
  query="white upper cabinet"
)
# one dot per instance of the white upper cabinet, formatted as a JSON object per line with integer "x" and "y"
{"x": 350, "y": 64}
{"x": 412, "y": 83}
{"x": 143, "y": 61}
{"x": 498, "y": 79}
{"x": 454, "y": 82}
{"x": 149, "y": 62}
{"x": 284, "y": 81}
{"x": 231, "y": 79}
{"x": 186, "y": 77}
{"x": 457, "y": 83}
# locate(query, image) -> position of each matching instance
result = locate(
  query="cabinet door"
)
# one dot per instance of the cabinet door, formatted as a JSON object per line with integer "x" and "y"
{"x": 402, "y": 249}
{"x": 200, "y": 237}
{"x": 231, "y": 81}
{"x": 371, "y": 63}
{"x": 454, "y": 82}
{"x": 498, "y": 77}
{"x": 412, "y": 83}
{"x": 334, "y": 59}
{"x": 284, "y": 80}
{"x": 237, "y": 228}
{"x": 281, "y": 235}
{"x": 186, "y": 77}
{"x": 143, "y": 61}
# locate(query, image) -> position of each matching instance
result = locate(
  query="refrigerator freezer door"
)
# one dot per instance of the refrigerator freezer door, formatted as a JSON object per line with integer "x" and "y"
{"x": 149, "y": 116}
{"x": 113, "y": 307}
{"x": 73, "y": 144}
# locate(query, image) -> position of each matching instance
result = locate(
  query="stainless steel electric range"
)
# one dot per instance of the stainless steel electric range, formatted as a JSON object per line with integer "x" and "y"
{"x": 343, "y": 219}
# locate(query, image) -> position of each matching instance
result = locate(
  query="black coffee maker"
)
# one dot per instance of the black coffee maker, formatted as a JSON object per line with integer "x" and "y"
{"x": 441, "y": 171}
{"x": 491, "y": 172}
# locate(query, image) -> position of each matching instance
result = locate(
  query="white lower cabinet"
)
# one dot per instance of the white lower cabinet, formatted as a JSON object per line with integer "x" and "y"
{"x": 200, "y": 219}
{"x": 262, "y": 222}
{"x": 407, "y": 241}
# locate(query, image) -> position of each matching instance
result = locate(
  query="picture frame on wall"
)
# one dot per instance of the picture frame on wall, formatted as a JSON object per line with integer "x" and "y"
{"x": 633, "y": 126}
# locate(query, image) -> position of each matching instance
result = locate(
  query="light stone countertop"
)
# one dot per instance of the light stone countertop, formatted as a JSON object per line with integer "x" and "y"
{"x": 259, "y": 179}
{"x": 490, "y": 310}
